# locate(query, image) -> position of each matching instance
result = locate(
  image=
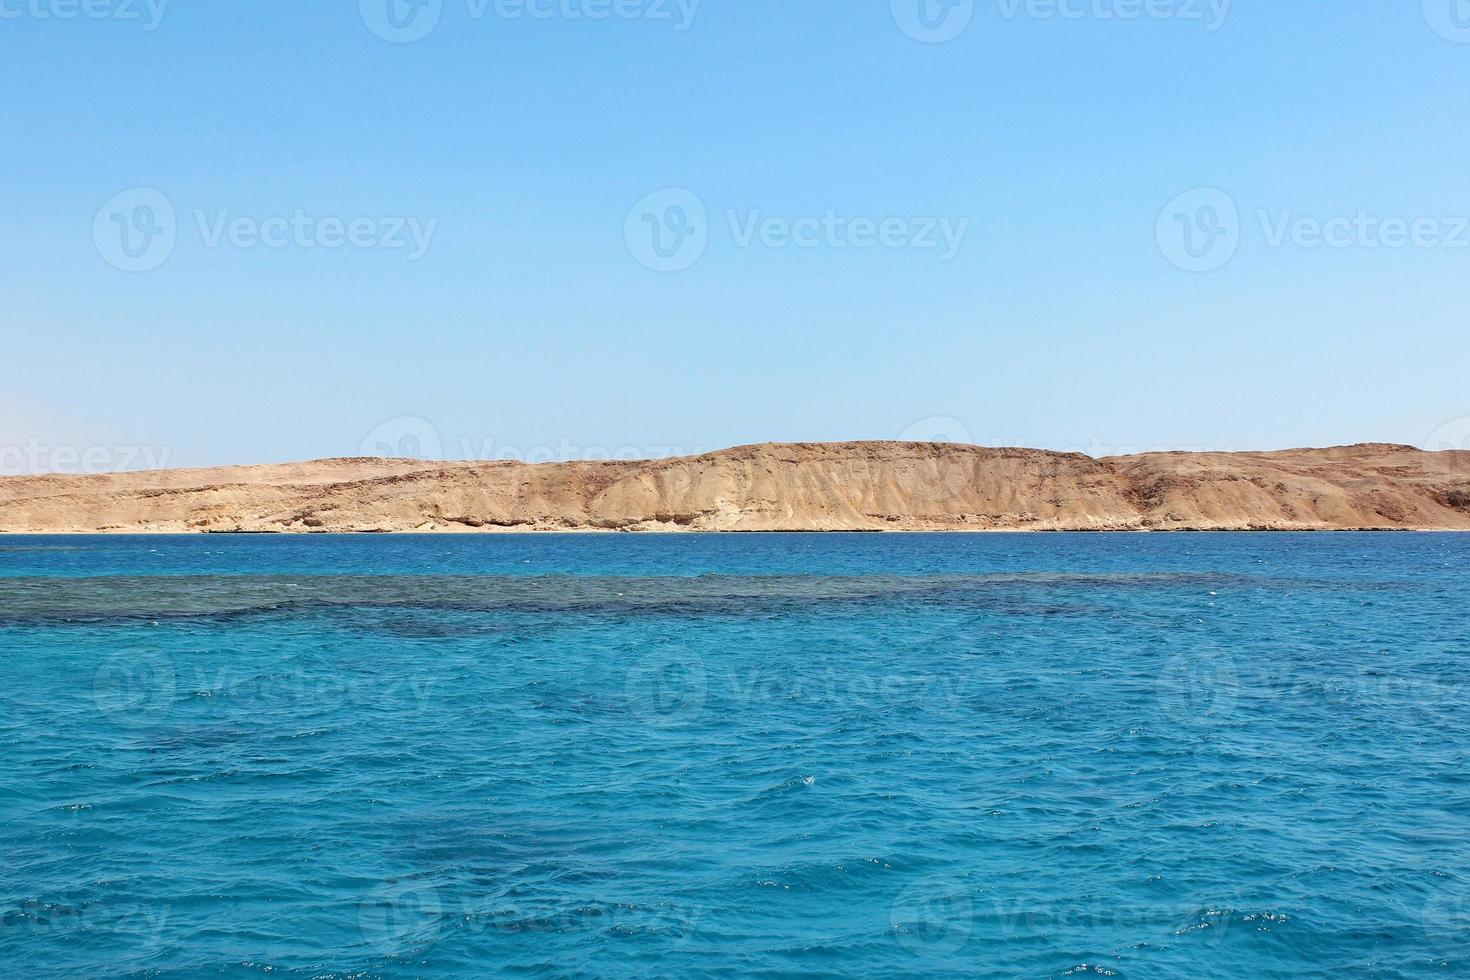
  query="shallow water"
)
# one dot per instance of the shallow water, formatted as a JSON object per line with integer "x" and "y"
{"x": 858, "y": 755}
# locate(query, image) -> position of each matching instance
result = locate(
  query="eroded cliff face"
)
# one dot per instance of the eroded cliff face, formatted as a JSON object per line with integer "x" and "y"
{"x": 859, "y": 486}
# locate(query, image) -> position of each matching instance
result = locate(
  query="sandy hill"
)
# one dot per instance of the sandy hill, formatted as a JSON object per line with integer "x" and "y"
{"x": 794, "y": 487}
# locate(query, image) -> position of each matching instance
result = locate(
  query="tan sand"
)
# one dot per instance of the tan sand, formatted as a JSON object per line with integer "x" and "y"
{"x": 860, "y": 486}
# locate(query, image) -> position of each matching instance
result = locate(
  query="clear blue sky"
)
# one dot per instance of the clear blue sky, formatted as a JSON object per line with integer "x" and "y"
{"x": 536, "y": 321}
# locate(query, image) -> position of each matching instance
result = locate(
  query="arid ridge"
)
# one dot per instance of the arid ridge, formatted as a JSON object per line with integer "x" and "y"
{"x": 858, "y": 486}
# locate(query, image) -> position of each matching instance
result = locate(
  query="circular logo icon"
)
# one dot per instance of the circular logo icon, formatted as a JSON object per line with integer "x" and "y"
{"x": 1449, "y": 18}
{"x": 400, "y": 915}
{"x": 135, "y": 689}
{"x": 667, "y": 688}
{"x": 1450, "y": 448}
{"x": 1453, "y": 435}
{"x": 401, "y": 21}
{"x": 933, "y": 21}
{"x": 405, "y": 437}
{"x": 136, "y": 230}
{"x": 1197, "y": 690}
{"x": 1199, "y": 231}
{"x": 937, "y": 428}
{"x": 668, "y": 230}
{"x": 934, "y": 914}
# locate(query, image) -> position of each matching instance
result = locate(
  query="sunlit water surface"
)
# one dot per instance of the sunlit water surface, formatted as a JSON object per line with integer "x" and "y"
{"x": 690, "y": 756}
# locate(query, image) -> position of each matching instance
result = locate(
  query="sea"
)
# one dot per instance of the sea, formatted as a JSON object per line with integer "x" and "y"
{"x": 772, "y": 755}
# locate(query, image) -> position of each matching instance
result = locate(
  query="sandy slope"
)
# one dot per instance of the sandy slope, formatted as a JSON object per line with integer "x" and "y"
{"x": 842, "y": 486}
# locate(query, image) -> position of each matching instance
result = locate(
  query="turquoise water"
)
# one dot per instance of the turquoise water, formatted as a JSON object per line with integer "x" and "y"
{"x": 773, "y": 755}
